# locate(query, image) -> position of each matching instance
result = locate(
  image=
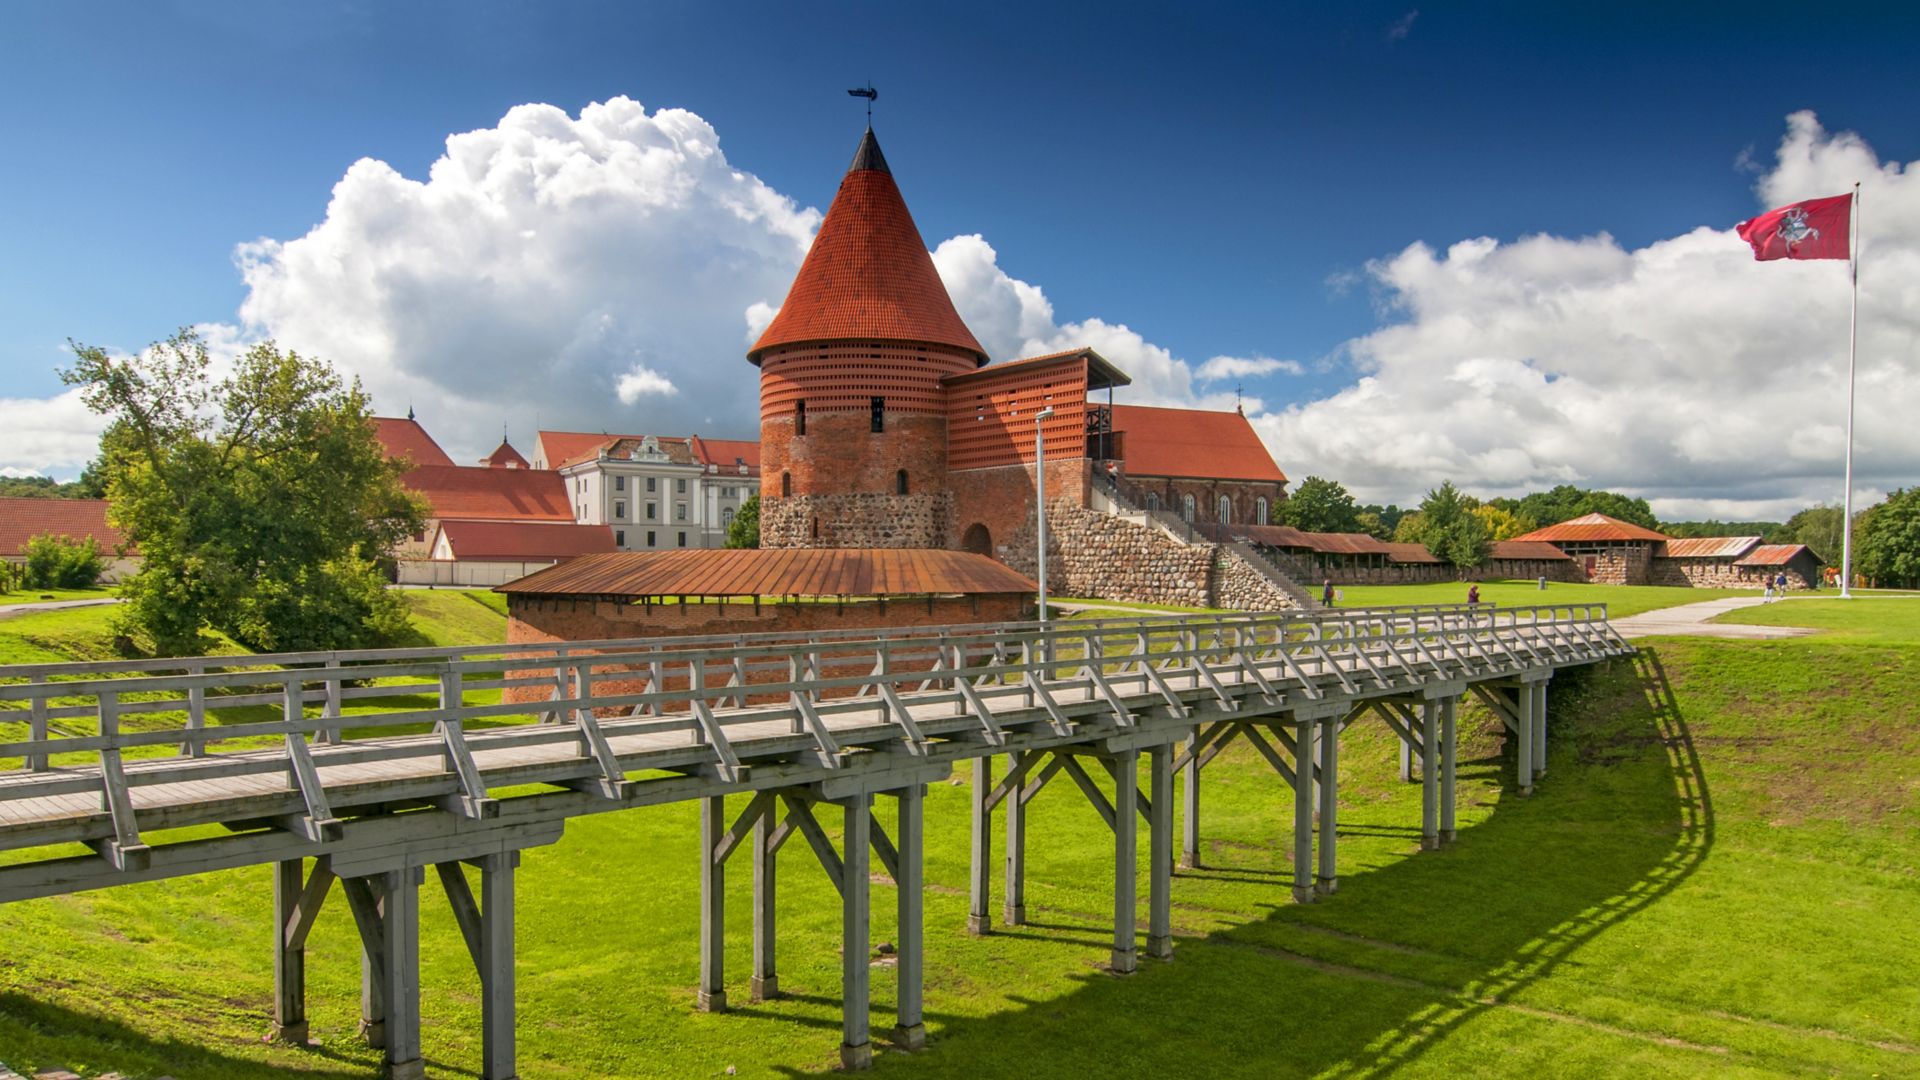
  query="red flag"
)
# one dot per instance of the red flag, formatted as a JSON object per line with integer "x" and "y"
{"x": 1815, "y": 229}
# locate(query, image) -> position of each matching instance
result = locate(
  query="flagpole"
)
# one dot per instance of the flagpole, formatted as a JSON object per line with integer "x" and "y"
{"x": 1853, "y": 349}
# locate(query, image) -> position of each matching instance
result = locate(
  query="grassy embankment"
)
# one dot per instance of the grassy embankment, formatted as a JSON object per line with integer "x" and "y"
{"x": 35, "y": 596}
{"x": 1715, "y": 878}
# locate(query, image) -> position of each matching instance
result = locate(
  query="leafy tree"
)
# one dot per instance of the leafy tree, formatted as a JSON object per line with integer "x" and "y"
{"x": 1502, "y": 524}
{"x": 1320, "y": 506}
{"x": 1369, "y": 522}
{"x": 1566, "y": 501}
{"x": 745, "y": 530}
{"x": 1410, "y": 528}
{"x": 1820, "y": 528}
{"x": 61, "y": 562}
{"x": 93, "y": 481}
{"x": 1889, "y": 541}
{"x": 41, "y": 487}
{"x": 260, "y": 503}
{"x": 1769, "y": 532}
{"x": 1387, "y": 516}
{"x": 1450, "y": 528}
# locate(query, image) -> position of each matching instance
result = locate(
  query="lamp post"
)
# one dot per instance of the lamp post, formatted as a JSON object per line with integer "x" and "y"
{"x": 1040, "y": 500}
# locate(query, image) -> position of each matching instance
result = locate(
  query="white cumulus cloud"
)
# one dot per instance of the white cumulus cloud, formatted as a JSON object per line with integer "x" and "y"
{"x": 1240, "y": 367}
{"x": 1683, "y": 371}
{"x": 537, "y": 258}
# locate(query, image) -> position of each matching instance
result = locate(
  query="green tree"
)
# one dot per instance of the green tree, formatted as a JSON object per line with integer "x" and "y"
{"x": 1451, "y": 529}
{"x": 1503, "y": 524}
{"x": 1387, "y": 517}
{"x": 1410, "y": 528}
{"x": 261, "y": 503}
{"x": 61, "y": 562}
{"x": 1818, "y": 527}
{"x": 1566, "y": 501}
{"x": 744, "y": 532}
{"x": 1320, "y": 506}
{"x": 1888, "y": 536}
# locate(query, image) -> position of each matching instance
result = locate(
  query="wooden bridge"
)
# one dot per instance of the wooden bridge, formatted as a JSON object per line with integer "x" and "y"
{"x": 367, "y": 768}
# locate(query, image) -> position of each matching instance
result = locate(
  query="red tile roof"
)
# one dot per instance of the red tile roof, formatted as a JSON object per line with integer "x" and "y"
{"x": 775, "y": 572}
{"x": 1774, "y": 555}
{"x": 403, "y": 437}
{"x": 505, "y": 456}
{"x": 1410, "y": 553}
{"x": 559, "y": 447}
{"x": 727, "y": 453}
{"x": 1346, "y": 544}
{"x": 1196, "y": 443}
{"x": 23, "y": 519}
{"x": 525, "y": 539}
{"x": 1707, "y": 547}
{"x": 868, "y": 274}
{"x": 1280, "y": 536}
{"x": 1527, "y": 550}
{"x": 457, "y": 491}
{"x": 1100, "y": 373}
{"x": 1593, "y": 527}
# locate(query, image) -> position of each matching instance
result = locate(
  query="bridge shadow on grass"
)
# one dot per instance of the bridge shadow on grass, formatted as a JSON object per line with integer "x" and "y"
{"x": 1407, "y": 954}
{"x": 38, "y": 1035}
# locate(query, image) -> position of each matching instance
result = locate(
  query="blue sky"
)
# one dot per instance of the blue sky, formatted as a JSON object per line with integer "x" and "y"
{"x": 1215, "y": 177}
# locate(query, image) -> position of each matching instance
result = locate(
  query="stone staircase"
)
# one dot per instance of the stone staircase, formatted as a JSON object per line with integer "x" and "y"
{"x": 1116, "y": 497}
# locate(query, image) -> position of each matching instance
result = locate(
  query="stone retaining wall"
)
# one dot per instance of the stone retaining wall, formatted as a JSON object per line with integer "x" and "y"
{"x": 860, "y": 520}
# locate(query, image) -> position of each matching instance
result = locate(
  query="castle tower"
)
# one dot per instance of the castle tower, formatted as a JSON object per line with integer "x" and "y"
{"x": 853, "y": 424}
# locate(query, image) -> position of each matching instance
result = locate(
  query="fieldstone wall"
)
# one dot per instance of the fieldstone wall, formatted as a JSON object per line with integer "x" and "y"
{"x": 1620, "y": 566}
{"x": 1719, "y": 574}
{"x": 1099, "y": 555}
{"x": 858, "y": 520}
{"x": 1311, "y": 577}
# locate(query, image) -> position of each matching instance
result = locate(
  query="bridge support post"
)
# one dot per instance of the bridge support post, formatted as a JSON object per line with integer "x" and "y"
{"x": 1303, "y": 724}
{"x": 856, "y": 1046}
{"x": 1406, "y": 761}
{"x": 1430, "y": 709}
{"x": 981, "y": 866}
{"x": 765, "y": 983}
{"x": 1190, "y": 819}
{"x": 712, "y": 993}
{"x": 1328, "y": 881}
{"x": 1125, "y": 766}
{"x": 1449, "y": 759}
{"x": 1160, "y": 852}
{"x": 1014, "y": 912}
{"x": 910, "y": 1029}
{"x": 496, "y": 966}
{"x": 289, "y": 955}
{"x": 399, "y": 907}
{"x": 1524, "y": 728}
{"x": 1539, "y": 728}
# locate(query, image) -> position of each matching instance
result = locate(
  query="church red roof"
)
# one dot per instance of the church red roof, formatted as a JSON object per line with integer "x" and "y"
{"x": 1192, "y": 443}
{"x": 22, "y": 519}
{"x": 460, "y": 491}
{"x": 525, "y": 539}
{"x": 403, "y": 437}
{"x": 868, "y": 274}
{"x": 505, "y": 456}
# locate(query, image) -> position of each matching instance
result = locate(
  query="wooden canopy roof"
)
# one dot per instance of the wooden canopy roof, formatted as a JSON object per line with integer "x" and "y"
{"x": 777, "y": 572}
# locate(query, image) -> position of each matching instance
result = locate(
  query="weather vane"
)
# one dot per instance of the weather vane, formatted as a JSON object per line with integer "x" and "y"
{"x": 870, "y": 94}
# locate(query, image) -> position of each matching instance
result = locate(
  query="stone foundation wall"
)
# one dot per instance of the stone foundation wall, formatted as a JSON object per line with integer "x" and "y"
{"x": 862, "y": 520}
{"x": 1429, "y": 573}
{"x": 1719, "y": 574}
{"x": 1095, "y": 554}
{"x": 1620, "y": 566}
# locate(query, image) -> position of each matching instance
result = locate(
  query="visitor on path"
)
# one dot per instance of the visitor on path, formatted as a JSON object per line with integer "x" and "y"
{"x": 1326, "y": 594}
{"x": 1767, "y": 596}
{"x": 1473, "y": 594}
{"x": 1780, "y": 586}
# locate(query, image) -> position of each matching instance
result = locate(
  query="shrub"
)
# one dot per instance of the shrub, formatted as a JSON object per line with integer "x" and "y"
{"x": 61, "y": 562}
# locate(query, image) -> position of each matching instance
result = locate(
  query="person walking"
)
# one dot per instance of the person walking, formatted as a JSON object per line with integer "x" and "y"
{"x": 1326, "y": 594}
{"x": 1767, "y": 595}
{"x": 1473, "y": 594}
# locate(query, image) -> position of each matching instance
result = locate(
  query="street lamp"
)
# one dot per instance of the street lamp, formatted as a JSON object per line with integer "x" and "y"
{"x": 1040, "y": 500}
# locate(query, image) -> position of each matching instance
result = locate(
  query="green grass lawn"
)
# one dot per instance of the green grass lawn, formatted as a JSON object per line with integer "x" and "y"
{"x": 1621, "y": 600}
{"x": 1890, "y": 618}
{"x": 36, "y": 596}
{"x": 1715, "y": 878}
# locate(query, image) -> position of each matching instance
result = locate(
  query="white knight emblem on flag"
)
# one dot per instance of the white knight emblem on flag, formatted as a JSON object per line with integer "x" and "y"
{"x": 1795, "y": 230}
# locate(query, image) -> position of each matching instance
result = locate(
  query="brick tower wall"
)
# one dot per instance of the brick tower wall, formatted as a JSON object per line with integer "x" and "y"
{"x": 838, "y": 484}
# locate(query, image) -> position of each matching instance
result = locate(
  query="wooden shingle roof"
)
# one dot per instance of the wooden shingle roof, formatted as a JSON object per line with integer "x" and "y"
{"x": 775, "y": 572}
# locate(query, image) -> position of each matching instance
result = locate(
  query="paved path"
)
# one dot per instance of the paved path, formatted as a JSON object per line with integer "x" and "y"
{"x": 1696, "y": 620}
{"x": 8, "y": 611}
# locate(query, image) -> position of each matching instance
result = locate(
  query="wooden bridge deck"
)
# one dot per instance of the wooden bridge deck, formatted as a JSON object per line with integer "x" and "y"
{"x": 588, "y": 727}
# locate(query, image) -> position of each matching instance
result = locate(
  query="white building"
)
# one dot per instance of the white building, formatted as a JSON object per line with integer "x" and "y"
{"x": 656, "y": 492}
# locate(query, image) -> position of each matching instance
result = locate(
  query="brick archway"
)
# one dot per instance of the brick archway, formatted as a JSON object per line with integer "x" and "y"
{"x": 977, "y": 540}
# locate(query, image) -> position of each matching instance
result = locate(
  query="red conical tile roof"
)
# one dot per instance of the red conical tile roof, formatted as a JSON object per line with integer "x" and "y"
{"x": 868, "y": 275}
